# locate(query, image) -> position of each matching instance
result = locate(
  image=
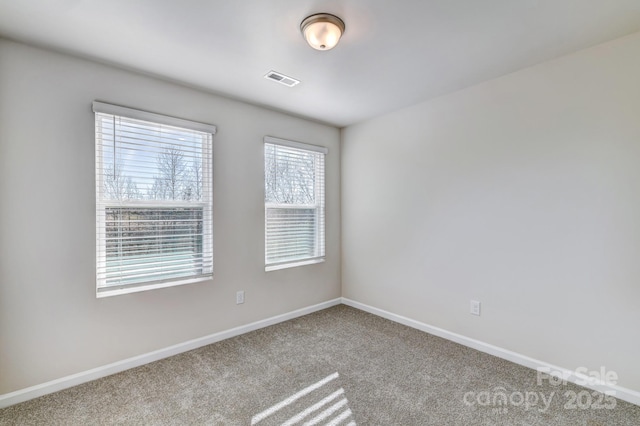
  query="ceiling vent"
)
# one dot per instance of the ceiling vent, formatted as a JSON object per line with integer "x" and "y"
{"x": 281, "y": 78}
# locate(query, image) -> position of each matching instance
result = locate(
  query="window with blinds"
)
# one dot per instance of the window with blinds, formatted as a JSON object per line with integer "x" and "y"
{"x": 294, "y": 203}
{"x": 153, "y": 200}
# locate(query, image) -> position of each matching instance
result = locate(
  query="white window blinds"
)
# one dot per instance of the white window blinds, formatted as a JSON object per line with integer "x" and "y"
{"x": 153, "y": 200}
{"x": 294, "y": 203}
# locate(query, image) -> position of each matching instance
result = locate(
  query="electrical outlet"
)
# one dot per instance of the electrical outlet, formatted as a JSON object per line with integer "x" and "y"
{"x": 239, "y": 297}
{"x": 475, "y": 308}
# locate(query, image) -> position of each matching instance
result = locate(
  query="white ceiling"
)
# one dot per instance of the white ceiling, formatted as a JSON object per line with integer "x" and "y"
{"x": 394, "y": 53}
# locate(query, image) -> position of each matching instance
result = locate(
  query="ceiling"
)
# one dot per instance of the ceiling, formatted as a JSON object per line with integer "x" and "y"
{"x": 394, "y": 53}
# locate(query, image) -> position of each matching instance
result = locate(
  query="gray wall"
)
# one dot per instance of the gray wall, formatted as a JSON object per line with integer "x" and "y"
{"x": 51, "y": 324}
{"x": 523, "y": 193}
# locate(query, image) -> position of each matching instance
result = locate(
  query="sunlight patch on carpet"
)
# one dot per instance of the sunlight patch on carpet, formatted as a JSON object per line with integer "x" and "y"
{"x": 316, "y": 404}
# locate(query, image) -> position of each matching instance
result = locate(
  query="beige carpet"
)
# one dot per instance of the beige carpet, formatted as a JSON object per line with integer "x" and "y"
{"x": 338, "y": 366}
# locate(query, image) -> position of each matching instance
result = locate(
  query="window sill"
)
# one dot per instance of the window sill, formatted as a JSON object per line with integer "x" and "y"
{"x": 117, "y": 291}
{"x": 278, "y": 266}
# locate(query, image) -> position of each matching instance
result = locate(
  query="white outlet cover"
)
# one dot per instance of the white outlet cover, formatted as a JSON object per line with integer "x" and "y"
{"x": 475, "y": 308}
{"x": 239, "y": 297}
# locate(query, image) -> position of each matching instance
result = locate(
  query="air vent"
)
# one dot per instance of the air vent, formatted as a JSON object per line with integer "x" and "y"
{"x": 281, "y": 78}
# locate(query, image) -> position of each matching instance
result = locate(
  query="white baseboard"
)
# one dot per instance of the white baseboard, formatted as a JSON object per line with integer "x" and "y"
{"x": 26, "y": 394}
{"x": 136, "y": 361}
{"x": 619, "y": 392}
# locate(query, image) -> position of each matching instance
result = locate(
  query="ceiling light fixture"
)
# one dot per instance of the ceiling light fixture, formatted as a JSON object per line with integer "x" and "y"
{"x": 322, "y": 30}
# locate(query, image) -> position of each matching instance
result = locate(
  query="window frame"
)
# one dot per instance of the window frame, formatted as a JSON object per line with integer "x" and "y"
{"x": 319, "y": 205}
{"x": 102, "y": 203}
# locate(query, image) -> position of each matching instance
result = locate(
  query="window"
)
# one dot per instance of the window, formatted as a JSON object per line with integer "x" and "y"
{"x": 153, "y": 200}
{"x": 294, "y": 203}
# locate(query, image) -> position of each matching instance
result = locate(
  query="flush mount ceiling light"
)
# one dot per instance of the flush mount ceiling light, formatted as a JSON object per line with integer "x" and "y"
{"x": 322, "y": 30}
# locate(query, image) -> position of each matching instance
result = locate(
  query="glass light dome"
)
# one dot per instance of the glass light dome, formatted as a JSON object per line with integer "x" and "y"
{"x": 322, "y": 31}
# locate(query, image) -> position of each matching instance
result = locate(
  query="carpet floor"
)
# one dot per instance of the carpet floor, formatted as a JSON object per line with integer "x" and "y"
{"x": 339, "y": 366}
